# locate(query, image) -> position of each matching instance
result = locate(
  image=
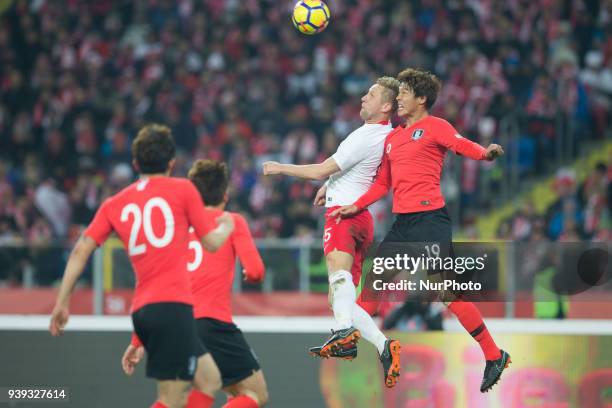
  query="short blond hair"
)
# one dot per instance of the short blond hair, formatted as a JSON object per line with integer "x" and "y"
{"x": 390, "y": 89}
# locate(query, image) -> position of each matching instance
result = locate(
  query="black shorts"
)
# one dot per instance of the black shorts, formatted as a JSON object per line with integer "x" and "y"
{"x": 425, "y": 226}
{"x": 228, "y": 347}
{"x": 431, "y": 232}
{"x": 429, "y": 235}
{"x": 168, "y": 334}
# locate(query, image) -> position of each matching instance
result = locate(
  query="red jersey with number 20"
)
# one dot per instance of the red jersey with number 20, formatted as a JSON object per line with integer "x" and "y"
{"x": 412, "y": 165}
{"x": 152, "y": 217}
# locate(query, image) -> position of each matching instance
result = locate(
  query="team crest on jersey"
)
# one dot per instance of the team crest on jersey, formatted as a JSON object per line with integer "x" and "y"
{"x": 417, "y": 134}
{"x": 389, "y": 148}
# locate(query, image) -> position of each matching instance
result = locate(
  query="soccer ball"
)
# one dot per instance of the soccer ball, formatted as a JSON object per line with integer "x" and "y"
{"x": 310, "y": 16}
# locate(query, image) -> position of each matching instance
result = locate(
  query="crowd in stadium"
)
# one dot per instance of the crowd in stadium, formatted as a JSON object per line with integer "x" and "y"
{"x": 235, "y": 81}
{"x": 582, "y": 211}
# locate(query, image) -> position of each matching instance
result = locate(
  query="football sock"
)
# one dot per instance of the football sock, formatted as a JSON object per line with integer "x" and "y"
{"x": 370, "y": 306}
{"x": 242, "y": 401}
{"x": 363, "y": 321}
{"x": 197, "y": 399}
{"x": 471, "y": 319}
{"x": 343, "y": 297}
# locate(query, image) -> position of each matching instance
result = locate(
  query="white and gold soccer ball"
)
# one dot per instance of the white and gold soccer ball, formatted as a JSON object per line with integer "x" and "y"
{"x": 310, "y": 16}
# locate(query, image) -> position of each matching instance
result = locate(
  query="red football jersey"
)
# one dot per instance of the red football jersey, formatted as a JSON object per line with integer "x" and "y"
{"x": 412, "y": 165}
{"x": 152, "y": 217}
{"x": 212, "y": 274}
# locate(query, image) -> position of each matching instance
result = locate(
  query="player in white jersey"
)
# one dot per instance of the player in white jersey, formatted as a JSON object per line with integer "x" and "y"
{"x": 351, "y": 171}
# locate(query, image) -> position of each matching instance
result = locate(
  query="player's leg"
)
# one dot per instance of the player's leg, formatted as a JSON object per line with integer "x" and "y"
{"x": 342, "y": 298}
{"x": 253, "y": 387}
{"x": 342, "y": 289}
{"x": 206, "y": 382}
{"x": 435, "y": 226}
{"x": 339, "y": 248}
{"x": 388, "y": 349}
{"x": 362, "y": 320}
{"x": 235, "y": 359}
{"x": 167, "y": 331}
{"x": 496, "y": 359}
{"x": 172, "y": 393}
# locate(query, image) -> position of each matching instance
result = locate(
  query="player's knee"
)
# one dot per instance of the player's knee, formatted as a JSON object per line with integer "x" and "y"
{"x": 253, "y": 387}
{"x": 339, "y": 278}
{"x": 182, "y": 399}
{"x": 338, "y": 260}
{"x": 261, "y": 389}
{"x": 259, "y": 395}
{"x": 174, "y": 395}
{"x": 210, "y": 384}
{"x": 208, "y": 377}
{"x": 263, "y": 396}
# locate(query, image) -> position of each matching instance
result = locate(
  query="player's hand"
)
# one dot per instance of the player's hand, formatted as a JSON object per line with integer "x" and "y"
{"x": 226, "y": 219}
{"x": 59, "y": 318}
{"x": 131, "y": 358}
{"x": 493, "y": 152}
{"x": 271, "y": 168}
{"x": 345, "y": 211}
{"x": 251, "y": 279}
{"x": 319, "y": 199}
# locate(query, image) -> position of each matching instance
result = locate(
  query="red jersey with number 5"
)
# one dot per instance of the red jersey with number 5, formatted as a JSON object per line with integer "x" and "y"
{"x": 212, "y": 274}
{"x": 152, "y": 217}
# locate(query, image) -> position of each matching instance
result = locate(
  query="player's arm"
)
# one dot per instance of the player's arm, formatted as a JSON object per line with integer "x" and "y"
{"x": 319, "y": 171}
{"x": 77, "y": 261}
{"x": 451, "y": 139}
{"x": 97, "y": 232}
{"x": 217, "y": 237}
{"x": 248, "y": 254}
{"x": 319, "y": 199}
{"x": 212, "y": 235}
{"x": 380, "y": 187}
{"x": 132, "y": 355}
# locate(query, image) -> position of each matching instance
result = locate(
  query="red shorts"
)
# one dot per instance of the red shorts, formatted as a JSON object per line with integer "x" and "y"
{"x": 352, "y": 235}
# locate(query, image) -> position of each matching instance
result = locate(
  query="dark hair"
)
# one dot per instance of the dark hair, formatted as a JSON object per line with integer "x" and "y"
{"x": 211, "y": 179}
{"x": 153, "y": 148}
{"x": 422, "y": 83}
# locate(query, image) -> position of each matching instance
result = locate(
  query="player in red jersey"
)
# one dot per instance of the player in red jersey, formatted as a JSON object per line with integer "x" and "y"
{"x": 211, "y": 283}
{"x": 411, "y": 167}
{"x": 152, "y": 217}
{"x": 351, "y": 171}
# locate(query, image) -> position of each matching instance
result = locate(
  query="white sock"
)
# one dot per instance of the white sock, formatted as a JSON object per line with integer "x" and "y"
{"x": 343, "y": 297}
{"x": 364, "y": 323}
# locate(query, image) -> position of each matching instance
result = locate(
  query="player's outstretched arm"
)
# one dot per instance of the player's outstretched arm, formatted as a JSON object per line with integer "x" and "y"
{"x": 319, "y": 171}
{"x": 450, "y": 138}
{"x": 74, "y": 268}
{"x": 217, "y": 237}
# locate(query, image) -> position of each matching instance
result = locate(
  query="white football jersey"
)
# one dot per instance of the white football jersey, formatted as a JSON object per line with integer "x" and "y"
{"x": 358, "y": 157}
